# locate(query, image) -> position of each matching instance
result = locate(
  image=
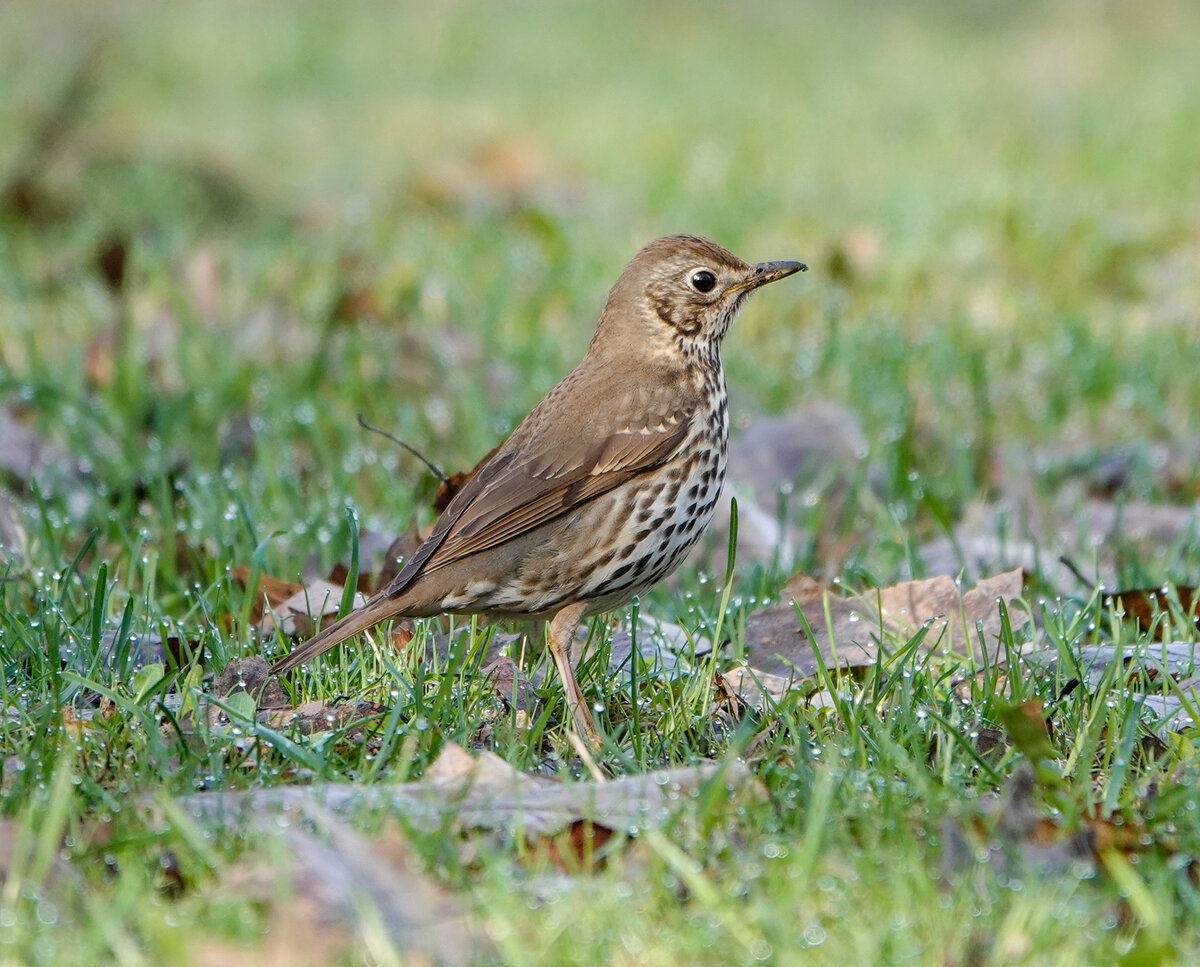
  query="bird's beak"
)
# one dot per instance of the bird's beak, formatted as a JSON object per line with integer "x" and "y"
{"x": 765, "y": 272}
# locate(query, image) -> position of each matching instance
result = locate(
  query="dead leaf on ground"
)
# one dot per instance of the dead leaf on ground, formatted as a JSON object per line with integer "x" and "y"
{"x": 400, "y": 550}
{"x": 1012, "y": 835}
{"x": 513, "y": 688}
{"x": 340, "y": 572}
{"x": 1027, "y": 533}
{"x": 1156, "y": 609}
{"x": 274, "y": 591}
{"x": 486, "y": 793}
{"x": 754, "y": 687}
{"x": 456, "y": 481}
{"x": 151, "y": 647}
{"x": 857, "y": 625}
{"x": 312, "y": 717}
{"x": 1171, "y": 665}
{"x": 316, "y": 603}
{"x": 334, "y": 877}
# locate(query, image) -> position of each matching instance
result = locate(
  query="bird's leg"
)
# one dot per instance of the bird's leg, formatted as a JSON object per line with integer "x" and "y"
{"x": 561, "y": 635}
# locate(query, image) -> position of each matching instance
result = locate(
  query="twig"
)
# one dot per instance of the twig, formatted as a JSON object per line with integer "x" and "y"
{"x": 409, "y": 447}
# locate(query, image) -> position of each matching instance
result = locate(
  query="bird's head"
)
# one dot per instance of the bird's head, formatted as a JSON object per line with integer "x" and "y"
{"x": 684, "y": 289}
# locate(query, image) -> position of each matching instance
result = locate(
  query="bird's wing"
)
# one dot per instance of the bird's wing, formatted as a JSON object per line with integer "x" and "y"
{"x": 515, "y": 492}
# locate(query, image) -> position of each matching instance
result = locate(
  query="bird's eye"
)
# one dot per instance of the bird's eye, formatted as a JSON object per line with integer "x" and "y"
{"x": 703, "y": 281}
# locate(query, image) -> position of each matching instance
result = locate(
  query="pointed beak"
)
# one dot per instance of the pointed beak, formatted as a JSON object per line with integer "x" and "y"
{"x": 765, "y": 272}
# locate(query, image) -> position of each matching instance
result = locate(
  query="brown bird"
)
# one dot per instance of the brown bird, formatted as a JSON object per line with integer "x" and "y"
{"x": 601, "y": 491}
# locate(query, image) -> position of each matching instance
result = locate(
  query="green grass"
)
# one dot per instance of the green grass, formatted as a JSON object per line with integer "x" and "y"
{"x": 414, "y": 214}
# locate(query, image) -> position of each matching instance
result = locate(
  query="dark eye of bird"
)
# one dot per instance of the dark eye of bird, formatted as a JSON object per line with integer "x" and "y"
{"x": 703, "y": 281}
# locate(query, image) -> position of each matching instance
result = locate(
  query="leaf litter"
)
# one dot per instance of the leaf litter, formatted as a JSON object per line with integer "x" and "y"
{"x": 341, "y": 873}
{"x": 812, "y": 628}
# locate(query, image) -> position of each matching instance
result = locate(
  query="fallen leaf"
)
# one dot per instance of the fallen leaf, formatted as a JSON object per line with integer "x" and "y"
{"x": 484, "y": 792}
{"x": 513, "y": 687}
{"x": 340, "y": 572}
{"x": 274, "y": 591}
{"x": 1155, "y": 609}
{"x": 753, "y": 687}
{"x": 848, "y": 631}
{"x": 400, "y": 550}
{"x": 456, "y": 481}
{"x": 334, "y": 877}
{"x": 301, "y": 613}
{"x": 1170, "y": 665}
{"x": 316, "y": 716}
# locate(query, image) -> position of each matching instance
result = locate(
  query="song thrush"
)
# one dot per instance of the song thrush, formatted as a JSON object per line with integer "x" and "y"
{"x": 600, "y": 491}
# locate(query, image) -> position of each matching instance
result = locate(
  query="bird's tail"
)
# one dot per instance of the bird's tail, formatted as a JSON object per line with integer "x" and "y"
{"x": 370, "y": 614}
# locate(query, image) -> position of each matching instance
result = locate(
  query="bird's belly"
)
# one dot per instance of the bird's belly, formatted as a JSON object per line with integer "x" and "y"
{"x": 652, "y": 528}
{"x": 621, "y": 543}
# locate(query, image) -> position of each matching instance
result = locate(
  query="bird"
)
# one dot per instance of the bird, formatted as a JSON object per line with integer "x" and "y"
{"x": 600, "y": 492}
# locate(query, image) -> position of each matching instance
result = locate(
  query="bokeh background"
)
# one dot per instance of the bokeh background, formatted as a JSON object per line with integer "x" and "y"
{"x": 413, "y": 211}
{"x": 228, "y": 228}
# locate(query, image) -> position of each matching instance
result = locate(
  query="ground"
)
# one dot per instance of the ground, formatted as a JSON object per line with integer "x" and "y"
{"x": 227, "y": 230}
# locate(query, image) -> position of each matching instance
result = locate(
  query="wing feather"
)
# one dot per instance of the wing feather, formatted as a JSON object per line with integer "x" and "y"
{"x": 510, "y": 496}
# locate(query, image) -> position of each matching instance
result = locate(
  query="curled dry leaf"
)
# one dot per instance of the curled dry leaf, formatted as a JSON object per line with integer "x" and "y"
{"x": 1163, "y": 678}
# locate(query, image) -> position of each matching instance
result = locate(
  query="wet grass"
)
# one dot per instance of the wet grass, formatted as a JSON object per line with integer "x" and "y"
{"x": 414, "y": 215}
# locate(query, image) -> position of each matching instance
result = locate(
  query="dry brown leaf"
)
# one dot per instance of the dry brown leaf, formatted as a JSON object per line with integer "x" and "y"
{"x": 401, "y": 549}
{"x": 273, "y": 590}
{"x": 312, "y": 717}
{"x": 456, "y": 481}
{"x": 1143, "y": 666}
{"x": 753, "y": 687}
{"x": 302, "y": 612}
{"x": 339, "y": 572}
{"x": 1155, "y": 608}
{"x": 847, "y": 631}
{"x": 335, "y": 878}
{"x": 513, "y": 687}
{"x": 484, "y": 792}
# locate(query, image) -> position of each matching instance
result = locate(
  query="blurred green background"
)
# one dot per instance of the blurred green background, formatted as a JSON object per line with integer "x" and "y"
{"x": 414, "y": 210}
{"x": 227, "y": 228}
